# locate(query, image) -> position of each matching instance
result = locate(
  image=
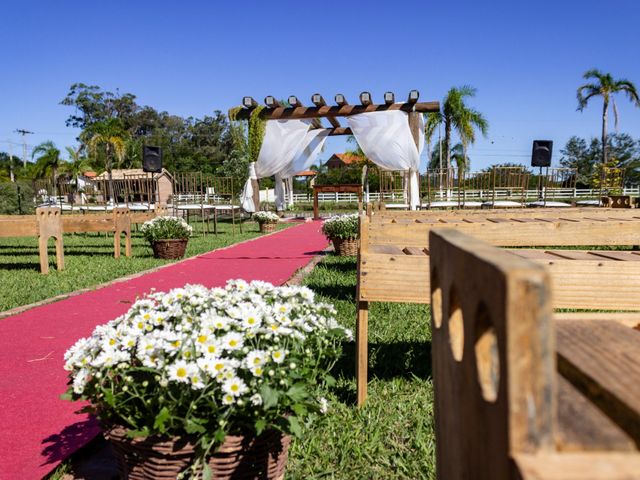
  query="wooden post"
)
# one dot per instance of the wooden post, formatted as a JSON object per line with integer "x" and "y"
{"x": 121, "y": 224}
{"x": 362, "y": 320}
{"x": 50, "y": 225}
{"x": 316, "y": 215}
{"x": 255, "y": 184}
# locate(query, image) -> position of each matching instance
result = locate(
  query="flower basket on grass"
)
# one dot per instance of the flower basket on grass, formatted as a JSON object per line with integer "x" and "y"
{"x": 208, "y": 382}
{"x": 342, "y": 230}
{"x": 168, "y": 236}
{"x": 267, "y": 221}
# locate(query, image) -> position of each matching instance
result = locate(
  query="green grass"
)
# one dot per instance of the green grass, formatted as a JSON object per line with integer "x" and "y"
{"x": 393, "y": 435}
{"x": 89, "y": 261}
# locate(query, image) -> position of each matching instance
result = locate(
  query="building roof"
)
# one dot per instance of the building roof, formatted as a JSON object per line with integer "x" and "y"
{"x": 90, "y": 174}
{"x": 306, "y": 173}
{"x": 118, "y": 174}
{"x": 348, "y": 158}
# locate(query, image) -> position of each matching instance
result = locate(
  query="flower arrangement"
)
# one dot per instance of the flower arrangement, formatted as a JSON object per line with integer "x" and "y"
{"x": 164, "y": 228}
{"x": 210, "y": 362}
{"x": 266, "y": 217}
{"x": 343, "y": 227}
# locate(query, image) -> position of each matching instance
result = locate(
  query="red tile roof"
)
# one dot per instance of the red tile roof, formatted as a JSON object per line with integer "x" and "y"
{"x": 306, "y": 173}
{"x": 349, "y": 158}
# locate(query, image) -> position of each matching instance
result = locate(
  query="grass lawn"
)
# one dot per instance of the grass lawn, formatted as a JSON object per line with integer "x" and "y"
{"x": 393, "y": 436}
{"x": 89, "y": 261}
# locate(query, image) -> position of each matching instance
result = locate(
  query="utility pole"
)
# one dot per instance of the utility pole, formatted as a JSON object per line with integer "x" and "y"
{"x": 24, "y": 133}
{"x": 11, "y": 175}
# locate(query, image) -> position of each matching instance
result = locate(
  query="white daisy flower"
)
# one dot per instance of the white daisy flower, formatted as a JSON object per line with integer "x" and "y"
{"x": 234, "y": 386}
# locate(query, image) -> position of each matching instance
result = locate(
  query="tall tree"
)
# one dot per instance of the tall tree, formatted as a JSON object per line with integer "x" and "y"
{"x": 111, "y": 137}
{"x": 432, "y": 122}
{"x": 48, "y": 161}
{"x": 76, "y": 165}
{"x": 461, "y": 118}
{"x": 604, "y": 85}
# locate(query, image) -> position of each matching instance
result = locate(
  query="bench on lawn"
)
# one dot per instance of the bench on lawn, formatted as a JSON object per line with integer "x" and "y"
{"x": 393, "y": 260}
{"x": 520, "y": 394}
{"x": 49, "y": 223}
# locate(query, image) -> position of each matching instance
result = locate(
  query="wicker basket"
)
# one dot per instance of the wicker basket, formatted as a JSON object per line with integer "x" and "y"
{"x": 345, "y": 248}
{"x": 170, "y": 248}
{"x": 267, "y": 227}
{"x": 238, "y": 458}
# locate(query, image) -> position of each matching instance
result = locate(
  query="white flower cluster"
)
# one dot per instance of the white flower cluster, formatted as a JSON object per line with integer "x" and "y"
{"x": 224, "y": 339}
{"x": 175, "y": 226}
{"x": 341, "y": 226}
{"x": 266, "y": 217}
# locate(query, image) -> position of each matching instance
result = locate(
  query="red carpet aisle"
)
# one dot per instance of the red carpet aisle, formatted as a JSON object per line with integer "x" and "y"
{"x": 37, "y": 429}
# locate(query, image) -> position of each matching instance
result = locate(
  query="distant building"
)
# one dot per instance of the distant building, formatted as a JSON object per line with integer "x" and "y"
{"x": 341, "y": 160}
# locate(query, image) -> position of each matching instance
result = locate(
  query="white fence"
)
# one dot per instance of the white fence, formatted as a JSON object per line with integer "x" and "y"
{"x": 566, "y": 194}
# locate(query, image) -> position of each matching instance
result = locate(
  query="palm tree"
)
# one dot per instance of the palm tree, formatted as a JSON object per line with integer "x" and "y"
{"x": 461, "y": 118}
{"x": 48, "y": 161}
{"x": 112, "y": 137}
{"x": 604, "y": 85}
{"x": 433, "y": 120}
{"x": 76, "y": 164}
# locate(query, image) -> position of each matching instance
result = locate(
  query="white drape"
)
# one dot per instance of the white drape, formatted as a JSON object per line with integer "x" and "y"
{"x": 287, "y": 148}
{"x": 386, "y": 139}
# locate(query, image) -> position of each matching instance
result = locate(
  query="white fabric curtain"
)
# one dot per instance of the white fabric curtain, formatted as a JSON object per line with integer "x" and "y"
{"x": 288, "y": 147}
{"x": 386, "y": 140}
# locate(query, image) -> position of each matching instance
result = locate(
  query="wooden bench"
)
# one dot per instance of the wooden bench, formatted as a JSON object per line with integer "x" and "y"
{"x": 519, "y": 395}
{"x": 393, "y": 262}
{"x": 49, "y": 223}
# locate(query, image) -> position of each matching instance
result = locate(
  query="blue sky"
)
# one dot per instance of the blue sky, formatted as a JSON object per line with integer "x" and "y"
{"x": 192, "y": 57}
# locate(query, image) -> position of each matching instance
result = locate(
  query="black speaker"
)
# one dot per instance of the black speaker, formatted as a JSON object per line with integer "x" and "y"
{"x": 541, "y": 154}
{"x": 151, "y": 159}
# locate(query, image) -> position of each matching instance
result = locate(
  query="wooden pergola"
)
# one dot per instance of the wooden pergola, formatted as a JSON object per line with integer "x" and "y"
{"x": 296, "y": 110}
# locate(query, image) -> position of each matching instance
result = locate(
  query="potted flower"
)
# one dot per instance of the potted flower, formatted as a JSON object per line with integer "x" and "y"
{"x": 168, "y": 236}
{"x": 267, "y": 221}
{"x": 343, "y": 231}
{"x": 209, "y": 382}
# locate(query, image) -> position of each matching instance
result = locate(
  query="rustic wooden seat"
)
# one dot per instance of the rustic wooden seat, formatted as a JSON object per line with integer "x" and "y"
{"x": 505, "y": 408}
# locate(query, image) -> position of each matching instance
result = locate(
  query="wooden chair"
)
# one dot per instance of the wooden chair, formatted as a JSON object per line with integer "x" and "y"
{"x": 393, "y": 189}
{"x": 508, "y": 187}
{"x": 476, "y": 189}
{"x": 557, "y": 188}
{"x": 190, "y": 197}
{"x": 519, "y": 395}
{"x": 221, "y": 195}
{"x": 442, "y": 188}
{"x": 141, "y": 191}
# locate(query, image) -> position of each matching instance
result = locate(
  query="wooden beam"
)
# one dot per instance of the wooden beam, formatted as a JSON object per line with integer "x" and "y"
{"x": 334, "y": 122}
{"x": 340, "y": 131}
{"x": 293, "y": 101}
{"x": 413, "y": 96}
{"x": 338, "y": 111}
{"x": 249, "y": 102}
{"x": 271, "y": 102}
{"x": 365, "y": 98}
{"x": 389, "y": 98}
{"x": 318, "y": 100}
{"x": 341, "y": 100}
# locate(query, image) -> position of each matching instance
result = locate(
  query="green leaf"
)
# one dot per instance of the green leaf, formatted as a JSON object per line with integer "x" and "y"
{"x": 68, "y": 395}
{"x": 260, "y": 426}
{"x": 207, "y": 473}
{"x": 143, "y": 432}
{"x": 161, "y": 418}
{"x": 294, "y": 426}
{"x": 269, "y": 396}
{"x": 299, "y": 409}
{"x": 192, "y": 426}
{"x": 297, "y": 392}
{"x": 109, "y": 398}
{"x": 329, "y": 380}
{"x": 219, "y": 436}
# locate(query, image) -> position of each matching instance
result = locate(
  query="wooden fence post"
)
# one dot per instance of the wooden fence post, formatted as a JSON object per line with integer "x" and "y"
{"x": 49, "y": 225}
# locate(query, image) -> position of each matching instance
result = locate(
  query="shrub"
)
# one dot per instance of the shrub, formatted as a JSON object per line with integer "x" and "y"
{"x": 164, "y": 228}
{"x": 344, "y": 227}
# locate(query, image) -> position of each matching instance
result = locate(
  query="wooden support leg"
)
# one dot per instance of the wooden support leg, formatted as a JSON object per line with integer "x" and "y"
{"x": 362, "y": 344}
{"x": 44, "y": 256}
{"x": 316, "y": 214}
{"x": 215, "y": 222}
{"x": 127, "y": 244}
{"x": 116, "y": 244}
{"x": 60, "y": 252}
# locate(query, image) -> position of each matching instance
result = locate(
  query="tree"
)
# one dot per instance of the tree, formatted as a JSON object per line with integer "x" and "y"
{"x": 432, "y": 122}
{"x": 110, "y": 136}
{"x": 461, "y": 118}
{"x": 604, "y": 85}
{"x": 76, "y": 164}
{"x": 48, "y": 161}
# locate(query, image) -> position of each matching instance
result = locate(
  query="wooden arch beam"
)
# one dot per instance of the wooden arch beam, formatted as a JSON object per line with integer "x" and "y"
{"x": 326, "y": 111}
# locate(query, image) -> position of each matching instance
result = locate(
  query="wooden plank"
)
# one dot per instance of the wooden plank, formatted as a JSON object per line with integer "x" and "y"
{"x": 628, "y": 319}
{"x": 386, "y": 249}
{"x": 493, "y": 367}
{"x": 88, "y": 224}
{"x": 414, "y": 251}
{"x": 583, "y": 427}
{"x": 616, "y": 255}
{"x": 602, "y": 359}
{"x": 578, "y": 466}
{"x": 394, "y": 278}
{"x": 19, "y": 226}
{"x": 572, "y": 254}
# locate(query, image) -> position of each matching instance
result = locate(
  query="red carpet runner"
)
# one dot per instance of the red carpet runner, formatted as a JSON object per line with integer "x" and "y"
{"x": 37, "y": 429}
